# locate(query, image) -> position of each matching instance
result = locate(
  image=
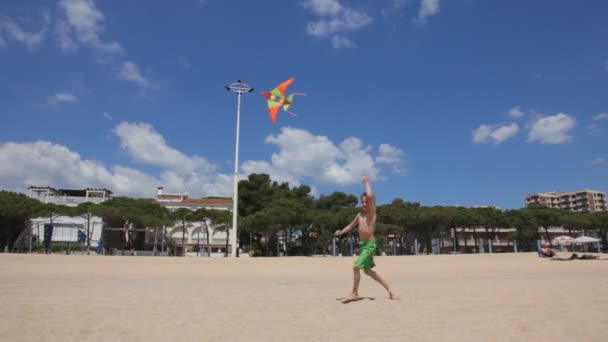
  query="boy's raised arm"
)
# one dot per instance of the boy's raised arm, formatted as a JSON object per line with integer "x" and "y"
{"x": 371, "y": 198}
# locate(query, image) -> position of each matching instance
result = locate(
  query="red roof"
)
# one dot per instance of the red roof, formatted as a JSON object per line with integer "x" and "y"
{"x": 208, "y": 201}
{"x": 169, "y": 196}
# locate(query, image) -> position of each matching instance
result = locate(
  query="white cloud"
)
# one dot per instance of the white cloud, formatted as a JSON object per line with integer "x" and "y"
{"x": 107, "y": 116}
{"x": 482, "y": 133}
{"x": 600, "y": 116}
{"x": 392, "y": 156}
{"x": 324, "y": 7}
{"x": 86, "y": 22}
{"x": 61, "y": 98}
{"x": 339, "y": 42}
{"x": 301, "y": 156}
{"x": 146, "y": 145}
{"x": 497, "y": 133}
{"x": 260, "y": 166}
{"x": 335, "y": 21}
{"x": 516, "y": 112}
{"x": 184, "y": 63}
{"x": 47, "y": 164}
{"x": 13, "y": 30}
{"x": 428, "y": 8}
{"x": 552, "y": 129}
{"x": 397, "y": 5}
{"x": 598, "y": 161}
{"x": 594, "y": 127}
{"x": 130, "y": 72}
{"x": 62, "y": 30}
{"x": 503, "y": 133}
{"x": 82, "y": 24}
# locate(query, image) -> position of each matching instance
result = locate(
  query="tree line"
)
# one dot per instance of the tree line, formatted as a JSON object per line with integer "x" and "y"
{"x": 275, "y": 218}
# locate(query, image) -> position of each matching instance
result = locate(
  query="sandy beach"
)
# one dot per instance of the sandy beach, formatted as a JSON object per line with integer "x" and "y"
{"x": 487, "y": 297}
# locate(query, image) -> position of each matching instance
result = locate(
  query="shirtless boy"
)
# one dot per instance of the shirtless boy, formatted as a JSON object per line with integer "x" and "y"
{"x": 366, "y": 220}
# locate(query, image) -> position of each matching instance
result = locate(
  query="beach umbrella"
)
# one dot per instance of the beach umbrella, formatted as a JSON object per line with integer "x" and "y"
{"x": 563, "y": 240}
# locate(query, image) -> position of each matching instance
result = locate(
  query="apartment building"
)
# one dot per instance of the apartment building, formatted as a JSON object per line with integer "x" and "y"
{"x": 580, "y": 201}
{"x": 195, "y": 233}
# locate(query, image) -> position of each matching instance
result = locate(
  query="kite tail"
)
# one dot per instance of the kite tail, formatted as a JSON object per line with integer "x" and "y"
{"x": 290, "y": 113}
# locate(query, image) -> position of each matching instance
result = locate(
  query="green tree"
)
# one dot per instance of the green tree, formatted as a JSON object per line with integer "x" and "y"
{"x": 16, "y": 210}
{"x": 599, "y": 220}
{"x": 259, "y": 222}
{"x": 573, "y": 221}
{"x": 526, "y": 227}
{"x": 182, "y": 218}
{"x": 433, "y": 221}
{"x": 261, "y": 198}
{"x": 142, "y": 212}
{"x": 545, "y": 217}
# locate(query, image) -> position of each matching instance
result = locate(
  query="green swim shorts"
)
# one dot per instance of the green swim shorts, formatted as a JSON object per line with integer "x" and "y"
{"x": 365, "y": 261}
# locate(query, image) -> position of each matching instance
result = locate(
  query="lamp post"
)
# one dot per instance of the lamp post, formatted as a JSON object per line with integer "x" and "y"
{"x": 239, "y": 87}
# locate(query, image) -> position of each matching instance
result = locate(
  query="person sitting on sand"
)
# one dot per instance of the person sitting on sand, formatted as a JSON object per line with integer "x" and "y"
{"x": 547, "y": 251}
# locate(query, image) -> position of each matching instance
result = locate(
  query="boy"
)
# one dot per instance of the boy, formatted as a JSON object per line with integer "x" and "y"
{"x": 366, "y": 220}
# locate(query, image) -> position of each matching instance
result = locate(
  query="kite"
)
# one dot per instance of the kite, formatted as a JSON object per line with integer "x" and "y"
{"x": 276, "y": 99}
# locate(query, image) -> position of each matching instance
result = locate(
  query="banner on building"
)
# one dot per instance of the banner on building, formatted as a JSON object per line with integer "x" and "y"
{"x": 82, "y": 237}
{"x": 48, "y": 235}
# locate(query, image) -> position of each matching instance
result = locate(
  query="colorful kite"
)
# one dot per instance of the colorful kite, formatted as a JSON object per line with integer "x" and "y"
{"x": 276, "y": 99}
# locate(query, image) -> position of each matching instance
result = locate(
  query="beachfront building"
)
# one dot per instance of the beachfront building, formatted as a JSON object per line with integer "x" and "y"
{"x": 69, "y": 197}
{"x": 65, "y": 228}
{"x": 195, "y": 234}
{"x": 482, "y": 240}
{"x": 580, "y": 201}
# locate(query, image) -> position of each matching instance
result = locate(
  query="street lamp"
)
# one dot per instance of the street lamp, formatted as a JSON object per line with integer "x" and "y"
{"x": 239, "y": 87}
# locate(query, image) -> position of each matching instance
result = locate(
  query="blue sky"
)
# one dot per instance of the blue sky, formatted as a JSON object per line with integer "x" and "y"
{"x": 462, "y": 102}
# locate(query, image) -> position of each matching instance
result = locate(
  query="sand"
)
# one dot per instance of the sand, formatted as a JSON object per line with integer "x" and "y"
{"x": 483, "y": 297}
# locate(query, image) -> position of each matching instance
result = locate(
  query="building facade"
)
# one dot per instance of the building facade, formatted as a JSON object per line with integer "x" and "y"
{"x": 65, "y": 228}
{"x": 195, "y": 233}
{"x": 579, "y": 201}
{"x": 69, "y": 197}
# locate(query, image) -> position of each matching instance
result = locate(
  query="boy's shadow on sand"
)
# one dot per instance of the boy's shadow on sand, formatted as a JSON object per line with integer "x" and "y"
{"x": 356, "y": 299}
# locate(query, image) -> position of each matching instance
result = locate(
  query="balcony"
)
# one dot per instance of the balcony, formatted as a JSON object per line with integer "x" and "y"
{"x": 73, "y": 200}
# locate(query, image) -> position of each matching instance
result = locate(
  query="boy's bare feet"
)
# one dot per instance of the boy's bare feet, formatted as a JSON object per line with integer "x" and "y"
{"x": 349, "y": 298}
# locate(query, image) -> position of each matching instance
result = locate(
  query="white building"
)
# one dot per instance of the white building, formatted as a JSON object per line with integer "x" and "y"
{"x": 195, "y": 233}
{"x": 65, "y": 228}
{"x": 69, "y": 197}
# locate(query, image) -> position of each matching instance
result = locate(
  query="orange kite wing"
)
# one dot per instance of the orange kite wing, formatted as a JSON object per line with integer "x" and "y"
{"x": 283, "y": 86}
{"x": 273, "y": 112}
